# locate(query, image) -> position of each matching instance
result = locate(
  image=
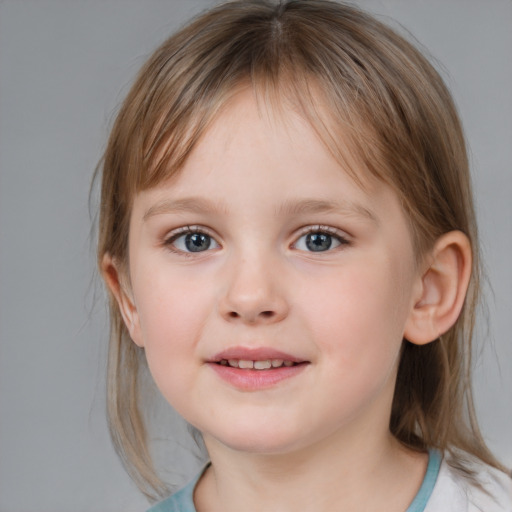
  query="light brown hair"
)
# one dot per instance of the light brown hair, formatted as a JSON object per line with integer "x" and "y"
{"x": 401, "y": 124}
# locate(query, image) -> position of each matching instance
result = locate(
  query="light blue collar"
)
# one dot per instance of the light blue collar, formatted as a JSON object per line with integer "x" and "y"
{"x": 183, "y": 500}
{"x": 420, "y": 501}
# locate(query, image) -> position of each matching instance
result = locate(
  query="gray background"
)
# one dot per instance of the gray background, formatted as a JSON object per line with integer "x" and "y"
{"x": 64, "y": 67}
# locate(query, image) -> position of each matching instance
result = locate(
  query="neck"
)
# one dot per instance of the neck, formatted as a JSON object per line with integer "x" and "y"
{"x": 312, "y": 478}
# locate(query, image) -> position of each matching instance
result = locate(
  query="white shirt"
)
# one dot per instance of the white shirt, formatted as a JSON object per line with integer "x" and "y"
{"x": 454, "y": 491}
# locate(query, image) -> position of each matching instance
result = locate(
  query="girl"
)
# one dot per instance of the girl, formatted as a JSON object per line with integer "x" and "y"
{"x": 288, "y": 236}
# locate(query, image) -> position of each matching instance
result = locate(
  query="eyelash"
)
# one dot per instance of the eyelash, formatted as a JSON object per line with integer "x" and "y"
{"x": 183, "y": 231}
{"x": 324, "y": 230}
{"x": 200, "y": 230}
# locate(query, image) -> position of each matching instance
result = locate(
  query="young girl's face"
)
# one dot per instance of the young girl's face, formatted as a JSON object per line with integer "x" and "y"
{"x": 264, "y": 253}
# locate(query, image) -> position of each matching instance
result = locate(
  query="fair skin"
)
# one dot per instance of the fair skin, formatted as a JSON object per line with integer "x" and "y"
{"x": 264, "y": 243}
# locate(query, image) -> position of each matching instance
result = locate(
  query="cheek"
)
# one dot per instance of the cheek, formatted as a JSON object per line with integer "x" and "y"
{"x": 357, "y": 326}
{"x": 358, "y": 318}
{"x": 171, "y": 306}
{"x": 172, "y": 312}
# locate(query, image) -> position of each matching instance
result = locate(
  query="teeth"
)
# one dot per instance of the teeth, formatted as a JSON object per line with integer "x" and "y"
{"x": 256, "y": 365}
{"x": 262, "y": 365}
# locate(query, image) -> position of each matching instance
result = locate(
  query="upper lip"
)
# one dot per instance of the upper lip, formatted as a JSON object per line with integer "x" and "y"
{"x": 254, "y": 354}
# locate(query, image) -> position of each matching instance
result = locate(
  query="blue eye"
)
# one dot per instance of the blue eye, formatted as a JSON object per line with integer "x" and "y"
{"x": 319, "y": 241}
{"x": 192, "y": 241}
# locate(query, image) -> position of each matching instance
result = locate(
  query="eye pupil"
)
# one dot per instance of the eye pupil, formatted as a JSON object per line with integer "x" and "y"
{"x": 318, "y": 242}
{"x": 197, "y": 242}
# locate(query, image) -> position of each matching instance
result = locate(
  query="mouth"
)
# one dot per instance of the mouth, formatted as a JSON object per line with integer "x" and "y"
{"x": 256, "y": 358}
{"x": 263, "y": 364}
{"x": 252, "y": 369}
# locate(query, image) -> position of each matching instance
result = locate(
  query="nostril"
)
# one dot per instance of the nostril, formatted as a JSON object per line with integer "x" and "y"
{"x": 262, "y": 314}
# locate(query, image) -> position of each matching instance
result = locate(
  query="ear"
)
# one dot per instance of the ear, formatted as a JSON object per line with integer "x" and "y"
{"x": 441, "y": 289}
{"x": 117, "y": 283}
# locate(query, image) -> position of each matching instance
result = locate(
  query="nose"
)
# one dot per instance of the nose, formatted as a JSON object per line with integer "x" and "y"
{"x": 254, "y": 293}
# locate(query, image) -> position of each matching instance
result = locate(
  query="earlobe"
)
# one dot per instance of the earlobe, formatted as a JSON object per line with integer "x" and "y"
{"x": 116, "y": 283}
{"x": 441, "y": 289}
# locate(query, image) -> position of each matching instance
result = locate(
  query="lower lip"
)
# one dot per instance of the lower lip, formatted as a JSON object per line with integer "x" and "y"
{"x": 254, "y": 380}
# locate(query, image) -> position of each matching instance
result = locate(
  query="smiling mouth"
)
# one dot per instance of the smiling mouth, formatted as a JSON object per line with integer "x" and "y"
{"x": 266, "y": 364}
{"x": 254, "y": 369}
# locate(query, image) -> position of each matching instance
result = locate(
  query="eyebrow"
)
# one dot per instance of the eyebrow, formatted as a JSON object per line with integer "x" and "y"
{"x": 311, "y": 206}
{"x": 290, "y": 207}
{"x": 185, "y": 205}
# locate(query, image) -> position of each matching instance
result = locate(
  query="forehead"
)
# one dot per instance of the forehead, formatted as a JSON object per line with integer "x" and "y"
{"x": 254, "y": 155}
{"x": 343, "y": 130}
{"x": 282, "y": 123}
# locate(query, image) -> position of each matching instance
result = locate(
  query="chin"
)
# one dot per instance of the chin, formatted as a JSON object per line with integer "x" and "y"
{"x": 263, "y": 439}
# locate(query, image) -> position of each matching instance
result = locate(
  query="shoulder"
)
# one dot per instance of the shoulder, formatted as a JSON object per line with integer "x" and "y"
{"x": 494, "y": 492}
{"x": 181, "y": 501}
{"x": 470, "y": 487}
